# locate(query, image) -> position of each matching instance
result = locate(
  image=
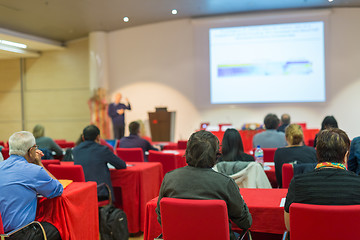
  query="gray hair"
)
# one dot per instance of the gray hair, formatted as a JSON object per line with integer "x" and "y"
{"x": 20, "y": 143}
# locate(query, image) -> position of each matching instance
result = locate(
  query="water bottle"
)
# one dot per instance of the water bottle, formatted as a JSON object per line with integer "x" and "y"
{"x": 259, "y": 155}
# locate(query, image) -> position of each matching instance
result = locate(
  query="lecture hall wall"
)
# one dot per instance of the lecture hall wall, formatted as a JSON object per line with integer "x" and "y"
{"x": 153, "y": 65}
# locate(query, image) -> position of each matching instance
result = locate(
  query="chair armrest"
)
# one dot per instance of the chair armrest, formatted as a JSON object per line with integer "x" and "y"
{"x": 9, "y": 234}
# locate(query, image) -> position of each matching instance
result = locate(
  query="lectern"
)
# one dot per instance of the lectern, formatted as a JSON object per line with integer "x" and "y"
{"x": 162, "y": 125}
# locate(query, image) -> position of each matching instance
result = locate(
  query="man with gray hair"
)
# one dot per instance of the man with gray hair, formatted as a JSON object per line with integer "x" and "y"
{"x": 25, "y": 178}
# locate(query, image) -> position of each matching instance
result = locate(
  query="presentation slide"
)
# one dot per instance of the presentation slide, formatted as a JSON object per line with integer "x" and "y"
{"x": 267, "y": 63}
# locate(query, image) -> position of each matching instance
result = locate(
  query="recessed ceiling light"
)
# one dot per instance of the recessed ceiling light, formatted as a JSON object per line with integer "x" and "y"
{"x": 14, "y": 44}
{"x": 174, "y": 11}
{"x": 126, "y": 19}
{"x": 330, "y": 0}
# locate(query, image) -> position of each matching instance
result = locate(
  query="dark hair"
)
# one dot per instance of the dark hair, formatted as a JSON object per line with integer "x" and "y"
{"x": 329, "y": 122}
{"x": 232, "y": 145}
{"x": 271, "y": 121}
{"x": 202, "y": 149}
{"x": 91, "y": 132}
{"x": 285, "y": 119}
{"x": 332, "y": 145}
{"x": 134, "y": 127}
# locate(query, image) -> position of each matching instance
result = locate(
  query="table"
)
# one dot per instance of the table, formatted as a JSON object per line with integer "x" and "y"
{"x": 133, "y": 188}
{"x": 74, "y": 213}
{"x": 264, "y": 206}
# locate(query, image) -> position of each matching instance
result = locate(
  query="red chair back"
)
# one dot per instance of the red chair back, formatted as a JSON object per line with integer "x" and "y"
{"x": 66, "y": 144}
{"x": 1, "y": 226}
{"x": 324, "y": 221}
{"x": 167, "y": 160}
{"x": 47, "y": 162}
{"x": 182, "y": 144}
{"x": 5, "y": 153}
{"x": 70, "y": 172}
{"x": 287, "y": 174}
{"x": 130, "y": 154}
{"x": 269, "y": 154}
{"x": 310, "y": 142}
{"x": 182, "y": 219}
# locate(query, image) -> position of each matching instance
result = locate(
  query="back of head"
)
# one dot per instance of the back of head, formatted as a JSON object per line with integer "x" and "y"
{"x": 285, "y": 119}
{"x": 90, "y": 133}
{"x": 202, "y": 149}
{"x": 329, "y": 122}
{"x": 294, "y": 134}
{"x": 332, "y": 145}
{"x": 271, "y": 121}
{"x": 231, "y": 144}
{"x": 38, "y": 131}
{"x": 20, "y": 143}
{"x": 134, "y": 128}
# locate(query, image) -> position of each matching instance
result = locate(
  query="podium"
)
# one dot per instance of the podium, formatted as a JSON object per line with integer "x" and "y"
{"x": 162, "y": 125}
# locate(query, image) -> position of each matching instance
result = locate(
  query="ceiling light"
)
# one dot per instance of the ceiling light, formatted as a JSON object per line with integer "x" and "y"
{"x": 174, "y": 11}
{"x": 14, "y": 44}
{"x": 331, "y": 0}
{"x": 126, "y": 19}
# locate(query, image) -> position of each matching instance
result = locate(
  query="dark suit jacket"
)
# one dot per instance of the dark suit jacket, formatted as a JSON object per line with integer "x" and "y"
{"x": 94, "y": 158}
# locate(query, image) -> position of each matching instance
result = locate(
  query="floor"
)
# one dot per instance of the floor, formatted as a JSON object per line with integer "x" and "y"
{"x": 141, "y": 237}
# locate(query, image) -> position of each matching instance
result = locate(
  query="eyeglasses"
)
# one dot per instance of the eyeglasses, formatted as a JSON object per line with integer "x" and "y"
{"x": 35, "y": 146}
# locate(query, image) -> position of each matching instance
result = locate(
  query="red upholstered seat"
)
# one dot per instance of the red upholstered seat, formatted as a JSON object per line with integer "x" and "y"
{"x": 324, "y": 222}
{"x": 130, "y": 154}
{"x": 47, "y": 162}
{"x": 66, "y": 144}
{"x": 287, "y": 174}
{"x": 70, "y": 172}
{"x": 194, "y": 219}
{"x": 5, "y": 153}
{"x": 167, "y": 160}
{"x": 182, "y": 144}
{"x": 1, "y": 226}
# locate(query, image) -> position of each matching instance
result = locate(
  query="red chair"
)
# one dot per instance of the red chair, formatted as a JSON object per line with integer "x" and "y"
{"x": 70, "y": 172}
{"x": 310, "y": 142}
{"x": 47, "y": 162}
{"x": 287, "y": 174}
{"x": 167, "y": 160}
{"x": 130, "y": 154}
{"x": 194, "y": 219}
{"x": 324, "y": 222}
{"x": 3, "y": 235}
{"x": 66, "y": 144}
{"x": 59, "y": 141}
{"x": 5, "y": 153}
{"x": 182, "y": 144}
{"x": 268, "y": 154}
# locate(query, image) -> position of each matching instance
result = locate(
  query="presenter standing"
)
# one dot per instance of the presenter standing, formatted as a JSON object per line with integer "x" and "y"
{"x": 117, "y": 113}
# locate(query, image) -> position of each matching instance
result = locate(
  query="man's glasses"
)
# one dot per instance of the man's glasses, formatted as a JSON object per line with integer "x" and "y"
{"x": 35, "y": 146}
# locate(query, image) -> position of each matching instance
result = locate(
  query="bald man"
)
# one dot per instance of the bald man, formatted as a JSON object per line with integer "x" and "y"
{"x": 117, "y": 113}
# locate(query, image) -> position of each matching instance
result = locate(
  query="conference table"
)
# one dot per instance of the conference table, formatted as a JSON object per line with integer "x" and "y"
{"x": 264, "y": 206}
{"x": 133, "y": 188}
{"x": 74, "y": 213}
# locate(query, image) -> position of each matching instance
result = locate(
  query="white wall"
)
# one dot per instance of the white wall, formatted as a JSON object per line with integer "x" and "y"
{"x": 154, "y": 65}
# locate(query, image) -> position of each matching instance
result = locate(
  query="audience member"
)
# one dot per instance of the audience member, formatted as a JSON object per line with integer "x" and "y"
{"x": 232, "y": 147}
{"x": 328, "y": 122}
{"x": 270, "y": 138}
{"x": 284, "y": 122}
{"x": 295, "y": 152}
{"x": 205, "y": 183}
{"x": 354, "y": 156}
{"x": 23, "y": 177}
{"x": 46, "y": 143}
{"x": 117, "y": 113}
{"x": 135, "y": 141}
{"x": 94, "y": 157}
{"x": 329, "y": 183}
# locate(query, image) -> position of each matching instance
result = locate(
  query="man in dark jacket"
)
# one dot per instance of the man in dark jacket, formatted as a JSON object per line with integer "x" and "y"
{"x": 94, "y": 157}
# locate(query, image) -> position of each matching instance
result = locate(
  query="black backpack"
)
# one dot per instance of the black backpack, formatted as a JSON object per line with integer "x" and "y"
{"x": 113, "y": 223}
